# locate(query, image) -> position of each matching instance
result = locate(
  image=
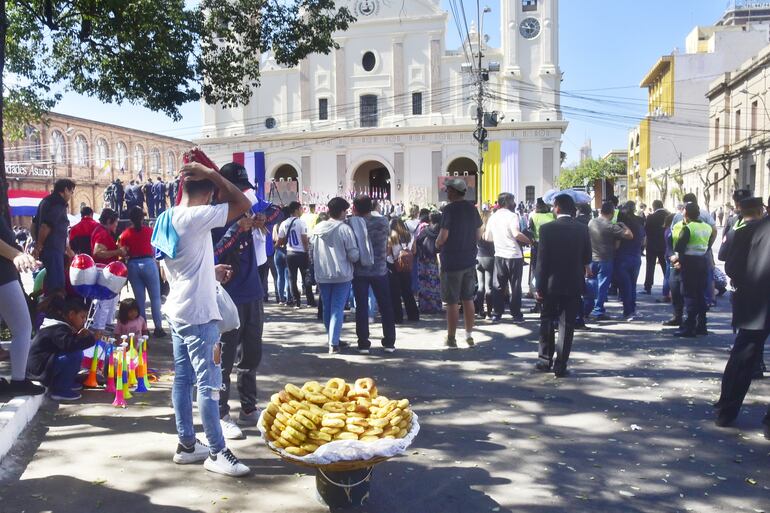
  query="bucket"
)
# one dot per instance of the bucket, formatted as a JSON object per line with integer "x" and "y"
{"x": 346, "y": 489}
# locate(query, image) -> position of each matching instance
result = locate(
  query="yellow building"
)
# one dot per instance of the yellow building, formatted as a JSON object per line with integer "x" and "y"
{"x": 675, "y": 127}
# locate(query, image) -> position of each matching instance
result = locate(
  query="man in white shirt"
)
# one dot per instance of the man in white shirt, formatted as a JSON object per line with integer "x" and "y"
{"x": 192, "y": 310}
{"x": 504, "y": 229}
{"x": 293, "y": 235}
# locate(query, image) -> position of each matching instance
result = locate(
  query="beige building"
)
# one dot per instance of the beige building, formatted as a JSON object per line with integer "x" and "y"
{"x": 91, "y": 153}
{"x": 739, "y": 140}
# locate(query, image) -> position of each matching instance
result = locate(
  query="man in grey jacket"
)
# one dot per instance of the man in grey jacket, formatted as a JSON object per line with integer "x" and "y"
{"x": 374, "y": 276}
{"x": 334, "y": 252}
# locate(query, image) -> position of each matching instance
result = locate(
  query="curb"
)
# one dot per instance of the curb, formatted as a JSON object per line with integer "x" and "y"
{"x": 14, "y": 417}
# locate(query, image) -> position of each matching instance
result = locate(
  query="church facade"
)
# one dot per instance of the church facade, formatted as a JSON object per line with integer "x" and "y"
{"x": 393, "y": 111}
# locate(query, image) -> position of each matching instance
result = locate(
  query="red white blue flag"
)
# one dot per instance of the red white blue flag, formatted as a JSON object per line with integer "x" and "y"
{"x": 24, "y": 202}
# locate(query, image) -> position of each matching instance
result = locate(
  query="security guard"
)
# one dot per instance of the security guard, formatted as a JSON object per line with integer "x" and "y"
{"x": 537, "y": 220}
{"x": 692, "y": 240}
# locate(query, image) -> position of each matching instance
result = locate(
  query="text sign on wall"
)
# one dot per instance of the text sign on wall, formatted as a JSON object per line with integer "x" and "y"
{"x": 28, "y": 169}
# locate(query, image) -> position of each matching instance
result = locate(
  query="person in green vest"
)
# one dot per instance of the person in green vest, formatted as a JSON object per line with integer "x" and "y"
{"x": 540, "y": 217}
{"x": 692, "y": 240}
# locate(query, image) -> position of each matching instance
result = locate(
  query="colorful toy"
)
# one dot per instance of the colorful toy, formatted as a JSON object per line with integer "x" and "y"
{"x": 141, "y": 369}
{"x": 125, "y": 359}
{"x": 109, "y": 366}
{"x": 132, "y": 360}
{"x": 120, "y": 400}
{"x": 90, "y": 381}
{"x": 144, "y": 363}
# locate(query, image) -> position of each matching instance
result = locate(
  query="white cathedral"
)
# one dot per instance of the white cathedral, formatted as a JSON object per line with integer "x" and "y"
{"x": 394, "y": 110}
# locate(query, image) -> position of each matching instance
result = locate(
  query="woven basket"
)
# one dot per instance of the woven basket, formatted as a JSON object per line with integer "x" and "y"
{"x": 339, "y": 466}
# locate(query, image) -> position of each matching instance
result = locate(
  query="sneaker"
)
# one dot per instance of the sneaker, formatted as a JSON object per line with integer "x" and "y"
{"x": 470, "y": 342}
{"x": 225, "y": 463}
{"x": 363, "y": 350}
{"x": 343, "y": 345}
{"x": 195, "y": 454}
{"x": 672, "y": 322}
{"x": 77, "y": 387}
{"x": 389, "y": 350}
{"x": 230, "y": 429}
{"x": 23, "y": 387}
{"x": 159, "y": 333}
{"x": 65, "y": 396}
{"x": 601, "y": 317}
{"x": 518, "y": 319}
{"x": 248, "y": 419}
{"x": 450, "y": 343}
{"x": 496, "y": 318}
{"x": 334, "y": 350}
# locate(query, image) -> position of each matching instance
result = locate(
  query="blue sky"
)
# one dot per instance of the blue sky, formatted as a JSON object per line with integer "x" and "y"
{"x": 606, "y": 47}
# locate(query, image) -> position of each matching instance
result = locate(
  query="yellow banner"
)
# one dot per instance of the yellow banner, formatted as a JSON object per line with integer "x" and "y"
{"x": 492, "y": 169}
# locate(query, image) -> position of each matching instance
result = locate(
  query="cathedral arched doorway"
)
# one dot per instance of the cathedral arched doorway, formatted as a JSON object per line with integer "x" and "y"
{"x": 286, "y": 172}
{"x": 462, "y": 166}
{"x": 372, "y": 178}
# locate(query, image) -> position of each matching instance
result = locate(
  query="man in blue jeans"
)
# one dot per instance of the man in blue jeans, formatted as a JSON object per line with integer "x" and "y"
{"x": 604, "y": 236}
{"x": 183, "y": 235}
{"x": 371, "y": 231}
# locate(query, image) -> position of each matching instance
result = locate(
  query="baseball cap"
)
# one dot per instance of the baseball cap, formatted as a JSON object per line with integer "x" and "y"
{"x": 237, "y": 175}
{"x": 457, "y": 184}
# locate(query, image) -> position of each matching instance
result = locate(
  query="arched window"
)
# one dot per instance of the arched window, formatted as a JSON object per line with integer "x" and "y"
{"x": 32, "y": 146}
{"x": 121, "y": 156}
{"x": 155, "y": 163}
{"x": 102, "y": 152}
{"x": 139, "y": 158}
{"x": 171, "y": 163}
{"x": 81, "y": 150}
{"x": 58, "y": 147}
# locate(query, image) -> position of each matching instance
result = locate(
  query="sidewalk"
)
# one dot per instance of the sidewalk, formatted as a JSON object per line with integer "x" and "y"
{"x": 630, "y": 430}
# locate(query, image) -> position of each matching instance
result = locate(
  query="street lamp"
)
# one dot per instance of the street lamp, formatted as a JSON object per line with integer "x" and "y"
{"x": 679, "y": 153}
{"x": 756, "y": 95}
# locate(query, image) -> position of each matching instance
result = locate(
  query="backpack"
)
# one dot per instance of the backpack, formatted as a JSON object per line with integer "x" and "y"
{"x": 404, "y": 261}
{"x": 428, "y": 244}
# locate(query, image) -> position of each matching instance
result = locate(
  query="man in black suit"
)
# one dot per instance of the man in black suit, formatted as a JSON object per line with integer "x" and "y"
{"x": 748, "y": 264}
{"x": 656, "y": 244}
{"x": 563, "y": 262}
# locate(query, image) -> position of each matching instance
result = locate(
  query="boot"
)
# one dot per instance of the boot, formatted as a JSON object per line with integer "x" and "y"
{"x": 687, "y": 330}
{"x": 674, "y": 321}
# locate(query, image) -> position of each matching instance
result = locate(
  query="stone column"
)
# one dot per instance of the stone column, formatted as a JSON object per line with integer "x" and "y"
{"x": 400, "y": 98}
{"x": 436, "y": 165}
{"x": 305, "y": 178}
{"x": 340, "y": 74}
{"x": 435, "y": 73}
{"x": 398, "y": 171}
{"x": 342, "y": 168}
{"x": 306, "y": 109}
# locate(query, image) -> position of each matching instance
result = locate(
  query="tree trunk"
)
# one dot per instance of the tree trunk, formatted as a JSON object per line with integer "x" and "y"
{"x": 5, "y": 211}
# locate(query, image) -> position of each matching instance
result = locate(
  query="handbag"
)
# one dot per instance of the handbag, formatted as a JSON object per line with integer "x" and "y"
{"x": 227, "y": 310}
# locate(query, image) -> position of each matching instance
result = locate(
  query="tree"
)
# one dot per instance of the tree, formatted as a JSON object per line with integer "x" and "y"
{"x": 708, "y": 183}
{"x": 590, "y": 170}
{"x": 156, "y": 53}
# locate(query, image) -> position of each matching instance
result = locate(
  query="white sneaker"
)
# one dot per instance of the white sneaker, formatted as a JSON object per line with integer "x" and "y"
{"x": 195, "y": 454}
{"x": 389, "y": 349}
{"x": 225, "y": 463}
{"x": 230, "y": 429}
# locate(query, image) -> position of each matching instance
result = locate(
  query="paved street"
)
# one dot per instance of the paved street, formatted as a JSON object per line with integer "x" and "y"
{"x": 629, "y": 431}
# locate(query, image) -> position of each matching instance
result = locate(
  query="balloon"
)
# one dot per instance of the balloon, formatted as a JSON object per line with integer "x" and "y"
{"x": 83, "y": 271}
{"x": 113, "y": 277}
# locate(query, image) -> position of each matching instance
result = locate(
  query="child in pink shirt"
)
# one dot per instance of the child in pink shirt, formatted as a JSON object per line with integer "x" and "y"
{"x": 129, "y": 320}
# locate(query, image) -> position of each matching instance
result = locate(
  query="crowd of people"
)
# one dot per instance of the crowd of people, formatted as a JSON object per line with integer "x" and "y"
{"x": 385, "y": 264}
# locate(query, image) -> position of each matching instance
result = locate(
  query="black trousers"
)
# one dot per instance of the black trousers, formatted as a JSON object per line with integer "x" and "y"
{"x": 401, "y": 290}
{"x": 298, "y": 263}
{"x": 242, "y": 348}
{"x": 508, "y": 271}
{"x": 561, "y": 310}
{"x": 745, "y": 357}
{"x": 653, "y": 257}
{"x": 264, "y": 271}
{"x": 694, "y": 272}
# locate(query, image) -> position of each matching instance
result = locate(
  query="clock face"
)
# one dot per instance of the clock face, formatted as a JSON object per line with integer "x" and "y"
{"x": 529, "y": 28}
{"x": 367, "y": 7}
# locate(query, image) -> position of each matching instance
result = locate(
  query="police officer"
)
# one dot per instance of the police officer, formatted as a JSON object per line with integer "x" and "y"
{"x": 748, "y": 266}
{"x": 734, "y": 222}
{"x": 537, "y": 220}
{"x": 692, "y": 240}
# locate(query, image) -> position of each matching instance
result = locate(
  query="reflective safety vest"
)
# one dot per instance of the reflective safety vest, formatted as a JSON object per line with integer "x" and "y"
{"x": 539, "y": 219}
{"x": 700, "y": 233}
{"x": 676, "y": 232}
{"x": 739, "y": 224}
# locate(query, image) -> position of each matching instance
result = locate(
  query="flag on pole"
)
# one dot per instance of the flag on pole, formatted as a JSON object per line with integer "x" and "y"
{"x": 25, "y": 202}
{"x": 107, "y": 167}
